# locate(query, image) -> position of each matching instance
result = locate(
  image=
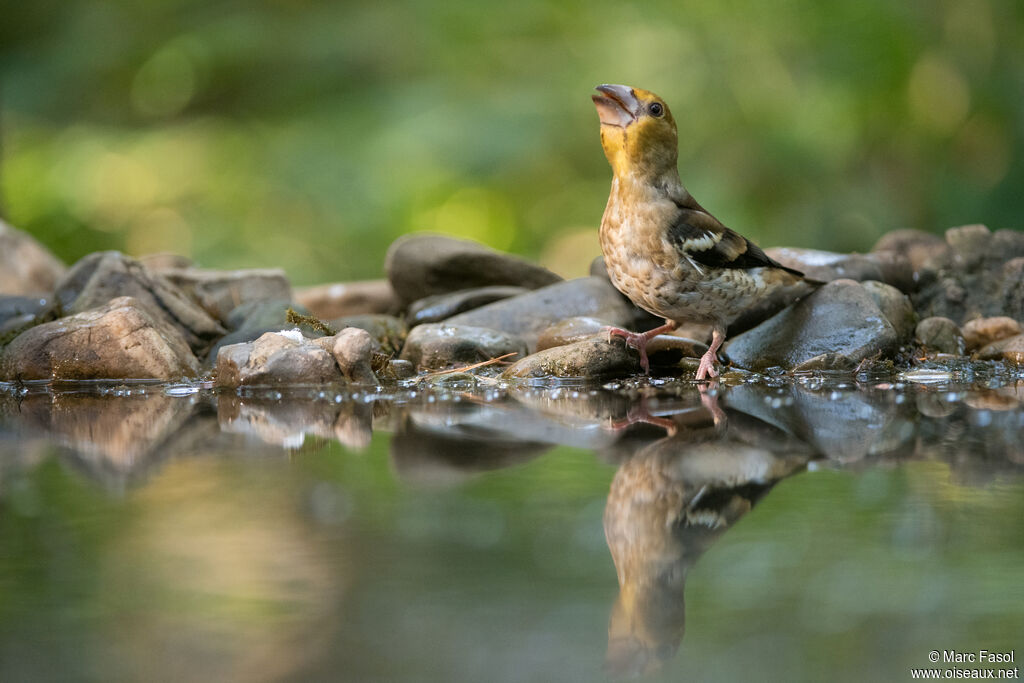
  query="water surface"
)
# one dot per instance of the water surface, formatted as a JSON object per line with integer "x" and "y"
{"x": 779, "y": 530}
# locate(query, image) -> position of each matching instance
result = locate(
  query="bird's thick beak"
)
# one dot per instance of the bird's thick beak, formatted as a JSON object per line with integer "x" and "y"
{"x": 616, "y": 105}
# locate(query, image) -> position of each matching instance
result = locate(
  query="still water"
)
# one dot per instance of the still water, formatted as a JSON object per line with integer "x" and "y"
{"x": 784, "y": 531}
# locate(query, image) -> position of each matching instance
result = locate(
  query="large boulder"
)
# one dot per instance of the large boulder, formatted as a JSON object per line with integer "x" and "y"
{"x": 26, "y": 266}
{"x": 119, "y": 340}
{"x": 221, "y": 291}
{"x": 530, "y": 314}
{"x": 836, "y": 327}
{"x": 105, "y": 275}
{"x": 423, "y": 264}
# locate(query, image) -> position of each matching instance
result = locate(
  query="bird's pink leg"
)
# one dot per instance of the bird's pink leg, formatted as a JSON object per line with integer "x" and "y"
{"x": 706, "y": 369}
{"x": 639, "y": 340}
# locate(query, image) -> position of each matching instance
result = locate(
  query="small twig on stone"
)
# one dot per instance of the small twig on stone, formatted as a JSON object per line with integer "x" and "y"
{"x": 317, "y": 324}
{"x": 474, "y": 366}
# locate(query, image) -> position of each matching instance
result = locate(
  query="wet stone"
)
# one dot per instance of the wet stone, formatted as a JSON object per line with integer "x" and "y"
{"x": 353, "y": 350}
{"x": 401, "y": 369}
{"x": 896, "y": 307}
{"x": 1010, "y": 350}
{"x": 434, "y": 346}
{"x": 99, "y": 277}
{"x": 423, "y": 265}
{"x": 119, "y": 340}
{"x": 530, "y": 314}
{"x": 276, "y": 359}
{"x": 26, "y": 266}
{"x": 940, "y": 334}
{"x": 594, "y": 358}
{"x": 252, "y": 320}
{"x": 569, "y": 331}
{"x": 984, "y": 331}
{"x": 439, "y": 307}
{"x": 339, "y": 299}
{"x": 841, "y": 318}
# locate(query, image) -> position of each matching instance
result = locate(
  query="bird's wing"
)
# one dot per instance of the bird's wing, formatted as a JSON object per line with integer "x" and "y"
{"x": 704, "y": 241}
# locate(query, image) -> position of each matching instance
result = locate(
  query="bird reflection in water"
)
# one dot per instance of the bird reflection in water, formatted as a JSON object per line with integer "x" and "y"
{"x": 669, "y": 502}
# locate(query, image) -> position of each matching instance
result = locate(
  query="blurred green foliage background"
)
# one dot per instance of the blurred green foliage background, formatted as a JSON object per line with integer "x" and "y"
{"x": 309, "y": 134}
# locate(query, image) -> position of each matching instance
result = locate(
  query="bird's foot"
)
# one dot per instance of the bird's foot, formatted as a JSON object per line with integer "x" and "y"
{"x": 639, "y": 340}
{"x": 706, "y": 369}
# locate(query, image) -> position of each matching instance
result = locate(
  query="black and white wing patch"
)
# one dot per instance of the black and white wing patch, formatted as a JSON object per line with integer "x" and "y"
{"x": 706, "y": 243}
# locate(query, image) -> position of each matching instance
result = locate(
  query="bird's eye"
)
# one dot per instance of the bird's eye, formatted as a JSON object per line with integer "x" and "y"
{"x": 656, "y": 109}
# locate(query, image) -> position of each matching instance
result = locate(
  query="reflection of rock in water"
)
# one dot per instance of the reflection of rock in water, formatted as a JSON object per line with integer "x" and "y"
{"x": 112, "y": 438}
{"x": 217, "y": 575}
{"x": 667, "y": 505}
{"x": 286, "y": 422}
{"x": 448, "y": 454}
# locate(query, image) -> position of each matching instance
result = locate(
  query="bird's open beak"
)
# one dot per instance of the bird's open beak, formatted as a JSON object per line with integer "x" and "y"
{"x": 616, "y": 105}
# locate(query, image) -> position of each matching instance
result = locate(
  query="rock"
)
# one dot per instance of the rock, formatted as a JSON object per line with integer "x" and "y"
{"x": 595, "y": 358}
{"x": 166, "y": 260}
{"x": 940, "y": 334}
{"x": 920, "y": 248}
{"x": 26, "y": 266}
{"x": 105, "y": 275}
{"x": 885, "y": 266}
{"x": 530, "y": 314}
{"x": 968, "y": 244}
{"x": 423, "y": 265}
{"x": 221, "y": 291}
{"x": 569, "y": 331}
{"x": 1010, "y": 350}
{"x": 1011, "y": 290}
{"x": 389, "y": 331}
{"x": 439, "y": 307}
{"x": 442, "y": 345}
{"x": 252, "y": 320}
{"x": 668, "y": 349}
{"x": 119, "y": 340}
{"x": 984, "y": 331}
{"x": 353, "y": 350}
{"x": 17, "y": 306}
{"x": 265, "y": 313}
{"x": 982, "y": 276}
{"x": 896, "y": 307}
{"x": 841, "y": 318}
{"x": 348, "y": 298}
{"x": 401, "y": 369}
{"x": 15, "y": 325}
{"x": 276, "y": 359}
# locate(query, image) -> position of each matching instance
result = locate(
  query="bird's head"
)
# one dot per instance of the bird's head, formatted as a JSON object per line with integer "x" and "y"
{"x": 638, "y": 132}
